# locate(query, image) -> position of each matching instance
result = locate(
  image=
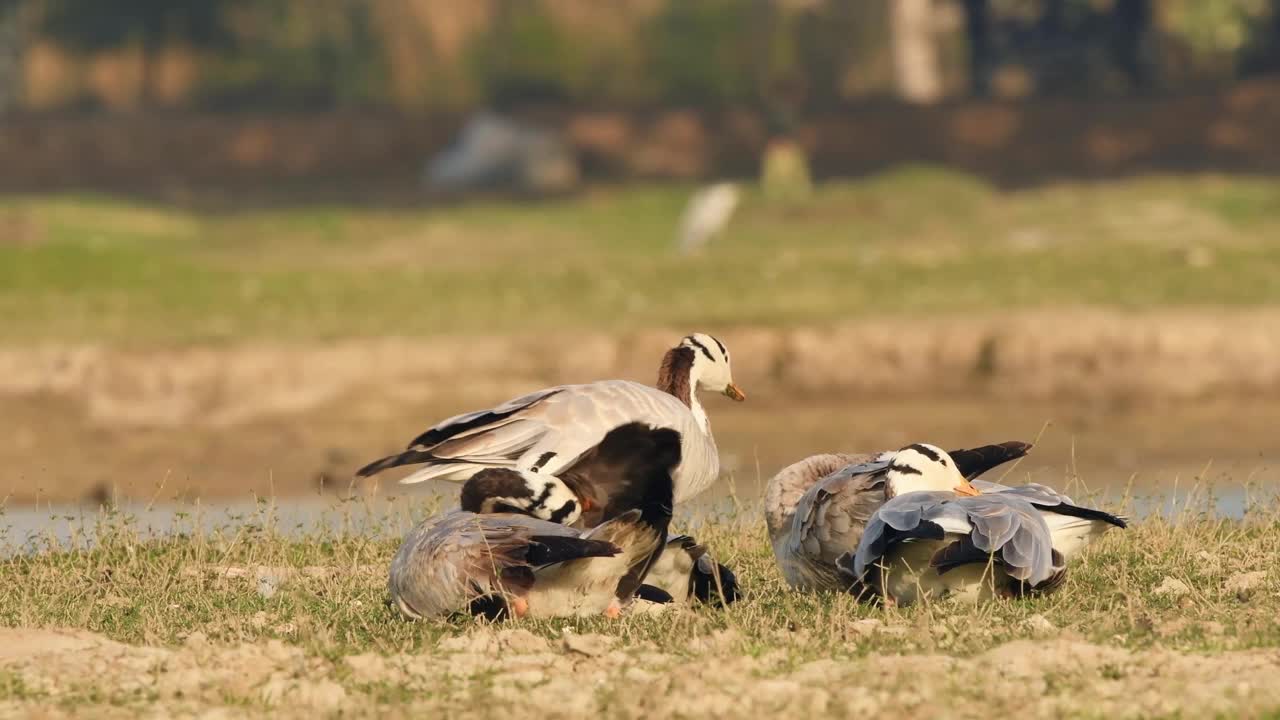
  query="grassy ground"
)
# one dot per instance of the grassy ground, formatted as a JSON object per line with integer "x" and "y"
{"x": 911, "y": 241}
{"x": 1159, "y": 620}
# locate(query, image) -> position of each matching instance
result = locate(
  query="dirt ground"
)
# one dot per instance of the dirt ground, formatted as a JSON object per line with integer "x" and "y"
{"x": 488, "y": 673}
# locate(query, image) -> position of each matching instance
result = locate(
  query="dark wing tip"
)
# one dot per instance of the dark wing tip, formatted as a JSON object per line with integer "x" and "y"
{"x": 654, "y": 594}
{"x": 707, "y": 590}
{"x": 548, "y": 549}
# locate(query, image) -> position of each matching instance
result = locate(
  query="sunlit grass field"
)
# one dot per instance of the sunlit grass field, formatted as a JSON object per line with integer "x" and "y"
{"x": 1171, "y": 614}
{"x": 911, "y": 241}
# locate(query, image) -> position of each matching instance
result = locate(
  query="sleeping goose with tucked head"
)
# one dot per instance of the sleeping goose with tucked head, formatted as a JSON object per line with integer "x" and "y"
{"x": 686, "y": 574}
{"x": 547, "y": 431}
{"x": 1006, "y": 541}
{"x": 507, "y": 552}
{"x": 817, "y": 508}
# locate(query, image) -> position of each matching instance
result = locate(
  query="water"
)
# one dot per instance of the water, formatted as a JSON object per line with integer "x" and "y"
{"x": 62, "y": 527}
{"x": 1217, "y": 457}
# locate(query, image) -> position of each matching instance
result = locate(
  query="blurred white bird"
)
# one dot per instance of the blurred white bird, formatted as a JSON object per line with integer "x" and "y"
{"x": 707, "y": 214}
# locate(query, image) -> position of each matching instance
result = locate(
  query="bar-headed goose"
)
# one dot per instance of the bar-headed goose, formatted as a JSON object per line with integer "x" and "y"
{"x": 548, "y": 430}
{"x": 686, "y": 574}
{"x": 1007, "y": 541}
{"x": 499, "y": 564}
{"x": 816, "y": 509}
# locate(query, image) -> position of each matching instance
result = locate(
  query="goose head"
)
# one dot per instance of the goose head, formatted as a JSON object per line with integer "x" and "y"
{"x": 499, "y": 490}
{"x": 699, "y": 363}
{"x": 922, "y": 467}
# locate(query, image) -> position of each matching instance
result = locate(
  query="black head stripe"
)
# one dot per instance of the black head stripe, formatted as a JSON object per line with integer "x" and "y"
{"x": 565, "y": 511}
{"x": 701, "y": 347}
{"x": 905, "y": 469}
{"x": 723, "y": 350}
{"x": 926, "y": 451}
{"x": 543, "y": 459}
{"x": 542, "y": 498}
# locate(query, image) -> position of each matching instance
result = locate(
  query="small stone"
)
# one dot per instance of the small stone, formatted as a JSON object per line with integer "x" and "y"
{"x": 1172, "y": 587}
{"x": 267, "y": 586}
{"x": 590, "y": 644}
{"x": 1171, "y": 628}
{"x": 521, "y": 640}
{"x": 1039, "y": 624}
{"x": 1243, "y": 584}
{"x": 1213, "y": 628}
{"x": 866, "y": 627}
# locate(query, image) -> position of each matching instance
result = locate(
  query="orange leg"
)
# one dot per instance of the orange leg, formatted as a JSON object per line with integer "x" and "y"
{"x": 519, "y": 606}
{"x": 614, "y": 611}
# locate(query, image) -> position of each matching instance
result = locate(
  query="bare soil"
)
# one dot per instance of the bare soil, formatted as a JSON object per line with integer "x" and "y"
{"x": 486, "y": 673}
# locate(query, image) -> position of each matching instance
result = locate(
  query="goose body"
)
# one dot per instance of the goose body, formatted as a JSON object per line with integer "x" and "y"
{"x": 510, "y": 564}
{"x": 816, "y": 509}
{"x": 1007, "y": 541}
{"x": 523, "y": 559}
{"x": 547, "y": 431}
{"x": 686, "y": 574}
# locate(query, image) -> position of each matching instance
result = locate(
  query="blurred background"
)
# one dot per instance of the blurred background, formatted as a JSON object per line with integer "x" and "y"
{"x": 247, "y": 246}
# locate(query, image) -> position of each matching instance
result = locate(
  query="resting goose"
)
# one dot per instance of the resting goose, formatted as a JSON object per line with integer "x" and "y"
{"x": 501, "y": 554}
{"x": 1007, "y": 541}
{"x": 816, "y": 509}
{"x": 548, "y": 430}
{"x": 686, "y": 574}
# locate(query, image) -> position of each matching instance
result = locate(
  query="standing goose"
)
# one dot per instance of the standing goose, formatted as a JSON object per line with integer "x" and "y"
{"x": 500, "y": 554}
{"x": 1007, "y": 541}
{"x": 817, "y": 508}
{"x": 548, "y": 430}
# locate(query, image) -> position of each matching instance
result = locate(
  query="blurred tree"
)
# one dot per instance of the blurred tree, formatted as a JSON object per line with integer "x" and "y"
{"x": 1131, "y": 20}
{"x": 13, "y": 41}
{"x": 525, "y": 57}
{"x": 915, "y": 53}
{"x": 151, "y": 25}
{"x": 702, "y": 52}
{"x": 977, "y": 27}
{"x": 314, "y": 54}
{"x": 1262, "y": 52}
{"x": 1218, "y": 32}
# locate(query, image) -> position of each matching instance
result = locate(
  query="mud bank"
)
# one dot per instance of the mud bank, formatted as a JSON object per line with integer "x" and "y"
{"x": 1049, "y": 355}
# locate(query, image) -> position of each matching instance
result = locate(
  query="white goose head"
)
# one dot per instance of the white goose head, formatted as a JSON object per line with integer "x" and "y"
{"x": 921, "y": 467}
{"x": 699, "y": 363}
{"x": 499, "y": 490}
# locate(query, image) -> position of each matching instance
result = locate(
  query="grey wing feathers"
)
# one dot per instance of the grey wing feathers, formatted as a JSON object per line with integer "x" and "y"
{"x": 1050, "y": 500}
{"x": 445, "y": 563}
{"x": 833, "y": 513}
{"x": 999, "y": 525}
{"x": 490, "y": 429}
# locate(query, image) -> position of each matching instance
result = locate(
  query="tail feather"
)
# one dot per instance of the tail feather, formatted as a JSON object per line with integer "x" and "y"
{"x": 548, "y": 549}
{"x": 408, "y": 457}
{"x": 1087, "y": 513}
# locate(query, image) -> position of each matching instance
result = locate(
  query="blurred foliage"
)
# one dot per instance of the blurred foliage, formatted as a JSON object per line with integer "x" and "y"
{"x": 785, "y": 55}
{"x": 97, "y": 25}
{"x": 318, "y": 54}
{"x": 1216, "y": 26}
